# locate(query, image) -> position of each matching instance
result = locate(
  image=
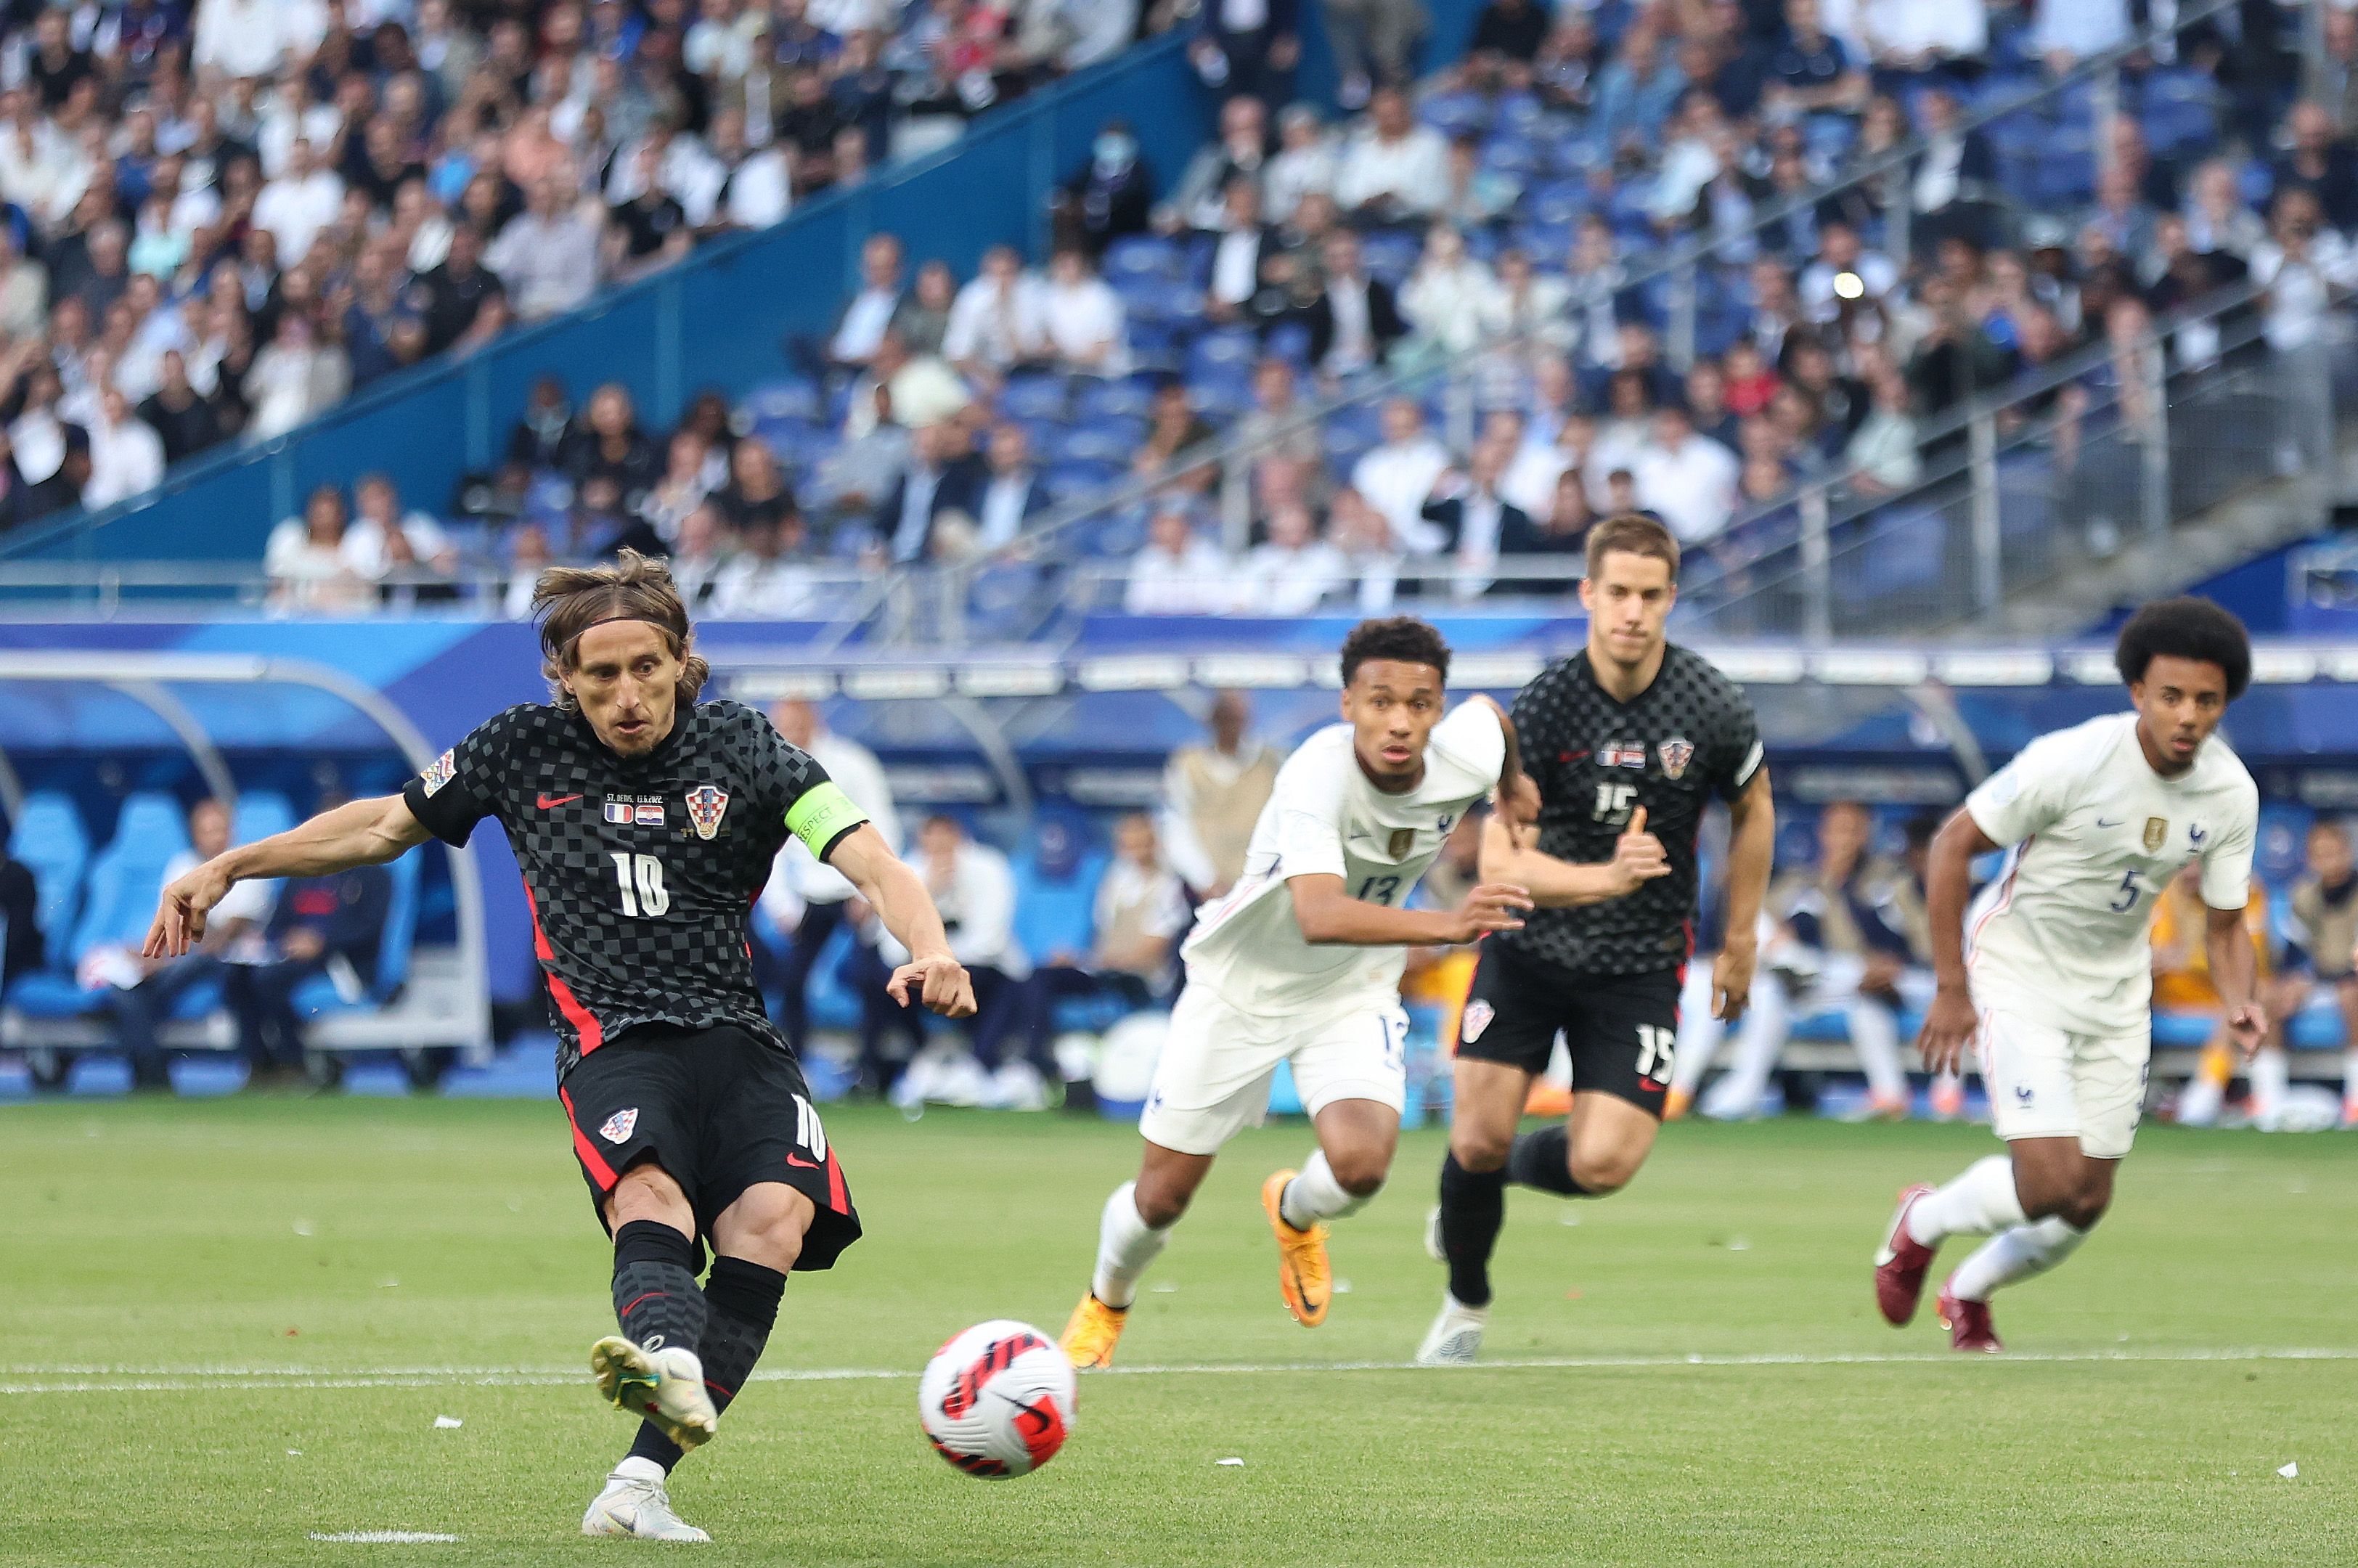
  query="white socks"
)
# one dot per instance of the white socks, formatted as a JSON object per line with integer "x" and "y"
{"x": 2271, "y": 1075}
{"x": 1759, "y": 1041}
{"x": 1315, "y": 1195}
{"x": 1982, "y": 1202}
{"x": 2350, "y": 1079}
{"x": 1700, "y": 1033}
{"x": 2016, "y": 1253}
{"x": 1126, "y": 1245}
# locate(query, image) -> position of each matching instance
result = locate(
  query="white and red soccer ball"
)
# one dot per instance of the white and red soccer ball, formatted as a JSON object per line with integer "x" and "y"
{"x": 997, "y": 1401}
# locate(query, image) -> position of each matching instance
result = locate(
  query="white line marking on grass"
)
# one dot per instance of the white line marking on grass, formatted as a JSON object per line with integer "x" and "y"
{"x": 189, "y": 1380}
{"x": 386, "y": 1537}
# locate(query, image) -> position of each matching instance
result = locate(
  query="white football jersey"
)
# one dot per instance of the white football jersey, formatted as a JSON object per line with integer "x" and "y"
{"x": 2095, "y": 835}
{"x": 1324, "y": 817}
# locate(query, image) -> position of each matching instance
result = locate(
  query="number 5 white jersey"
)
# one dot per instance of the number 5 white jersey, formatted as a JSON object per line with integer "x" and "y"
{"x": 1323, "y": 817}
{"x": 2095, "y": 834}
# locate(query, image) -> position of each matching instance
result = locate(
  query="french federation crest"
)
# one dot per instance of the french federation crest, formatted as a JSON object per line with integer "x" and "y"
{"x": 2157, "y": 831}
{"x": 438, "y": 772}
{"x": 620, "y": 1126}
{"x": 1676, "y": 754}
{"x": 705, "y": 805}
{"x": 1478, "y": 1014}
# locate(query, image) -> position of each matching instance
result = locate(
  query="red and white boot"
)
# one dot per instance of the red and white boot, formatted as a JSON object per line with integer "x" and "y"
{"x": 1901, "y": 1263}
{"x": 1968, "y": 1323}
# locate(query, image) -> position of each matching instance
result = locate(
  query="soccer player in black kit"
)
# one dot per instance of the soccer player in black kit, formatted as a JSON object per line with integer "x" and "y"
{"x": 1625, "y": 744}
{"x": 645, "y": 823}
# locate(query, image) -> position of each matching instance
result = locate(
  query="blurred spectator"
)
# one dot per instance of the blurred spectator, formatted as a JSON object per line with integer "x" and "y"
{"x": 975, "y": 890}
{"x": 185, "y": 421}
{"x": 1636, "y": 92}
{"x": 62, "y": 491}
{"x": 1505, "y": 46}
{"x": 1372, "y": 41}
{"x": 1450, "y": 298}
{"x": 860, "y": 328}
{"x": 700, "y": 554}
{"x": 1173, "y": 427}
{"x": 2304, "y": 265}
{"x": 529, "y": 556}
{"x": 926, "y": 390}
{"x": 923, "y": 316}
{"x": 2063, "y": 35}
{"x": 608, "y": 443}
{"x": 2216, "y": 218}
{"x": 1213, "y": 795}
{"x": 1112, "y": 195}
{"x": 1883, "y": 451}
{"x": 1909, "y": 39}
{"x": 1393, "y": 170}
{"x": 938, "y": 479}
{"x": 1248, "y": 48}
{"x": 126, "y": 457}
{"x": 1562, "y": 530}
{"x": 1081, "y": 319}
{"x": 2320, "y": 162}
{"x": 1397, "y": 475}
{"x": 232, "y": 933}
{"x": 687, "y": 481}
{"x": 2317, "y": 957}
{"x": 547, "y": 256}
{"x": 2182, "y": 982}
{"x": 1810, "y": 72}
{"x": 1293, "y": 571}
{"x": 1471, "y": 524}
{"x": 806, "y": 899}
{"x": 1688, "y": 481}
{"x": 295, "y": 376}
{"x": 1371, "y": 557}
{"x": 1142, "y": 913}
{"x": 1241, "y": 246}
{"x": 995, "y": 322}
{"x": 1304, "y": 164}
{"x": 22, "y": 950}
{"x": 1204, "y": 190}
{"x": 384, "y": 532}
{"x": 768, "y": 578}
{"x": 1011, "y": 495}
{"x": 1351, "y": 317}
{"x": 329, "y": 926}
{"x": 1179, "y": 572}
{"x": 756, "y": 494}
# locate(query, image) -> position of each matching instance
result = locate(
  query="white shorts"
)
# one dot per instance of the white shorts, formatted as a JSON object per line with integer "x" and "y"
{"x": 2046, "y": 1082}
{"x": 1213, "y": 1078}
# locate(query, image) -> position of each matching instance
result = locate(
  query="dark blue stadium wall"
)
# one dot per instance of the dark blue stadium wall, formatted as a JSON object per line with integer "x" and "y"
{"x": 716, "y": 321}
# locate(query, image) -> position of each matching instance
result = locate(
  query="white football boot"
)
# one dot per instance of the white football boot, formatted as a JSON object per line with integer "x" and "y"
{"x": 634, "y": 1503}
{"x": 1456, "y": 1336}
{"x": 665, "y": 1385}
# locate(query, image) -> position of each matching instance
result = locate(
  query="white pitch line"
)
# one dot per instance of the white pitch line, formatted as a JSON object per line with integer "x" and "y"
{"x": 79, "y": 1381}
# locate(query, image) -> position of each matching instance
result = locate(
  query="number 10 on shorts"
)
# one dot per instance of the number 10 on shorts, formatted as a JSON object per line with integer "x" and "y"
{"x": 1656, "y": 1046}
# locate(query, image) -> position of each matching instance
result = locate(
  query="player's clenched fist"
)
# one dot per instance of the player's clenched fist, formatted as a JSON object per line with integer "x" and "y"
{"x": 1638, "y": 856}
{"x": 1492, "y": 906}
{"x": 1949, "y": 1025}
{"x": 941, "y": 984}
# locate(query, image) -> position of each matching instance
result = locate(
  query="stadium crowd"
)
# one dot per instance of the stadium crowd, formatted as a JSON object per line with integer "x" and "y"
{"x": 219, "y": 217}
{"x": 1518, "y": 198}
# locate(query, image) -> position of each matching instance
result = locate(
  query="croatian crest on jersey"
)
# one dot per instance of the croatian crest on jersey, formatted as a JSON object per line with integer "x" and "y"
{"x": 2157, "y": 832}
{"x": 1402, "y": 840}
{"x": 620, "y": 1126}
{"x": 1478, "y": 1014}
{"x": 1676, "y": 754}
{"x": 705, "y": 805}
{"x": 438, "y": 772}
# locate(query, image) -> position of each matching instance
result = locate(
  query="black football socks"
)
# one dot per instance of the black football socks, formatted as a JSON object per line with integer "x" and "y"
{"x": 655, "y": 1296}
{"x": 744, "y": 1299}
{"x": 1473, "y": 1206}
{"x": 1540, "y": 1160}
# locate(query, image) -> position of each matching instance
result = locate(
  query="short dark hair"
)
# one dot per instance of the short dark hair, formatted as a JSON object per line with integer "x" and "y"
{"x": 2186, "y": 628}
{"x": 1634, "y": 534}
{"x": 1400, "y": 637}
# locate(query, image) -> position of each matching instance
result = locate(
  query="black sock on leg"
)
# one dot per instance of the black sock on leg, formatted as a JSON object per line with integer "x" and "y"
{"x": 1540, "y": 1160}
{"x": 1473, "y": 1206}
{"x": 656, "y": 1301}
{"x": 743, "y": 1298}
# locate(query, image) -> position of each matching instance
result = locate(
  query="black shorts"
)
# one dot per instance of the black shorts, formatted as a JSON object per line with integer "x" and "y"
{"x": 1620, "y": 1030}
{"x": 720, "y": 1109}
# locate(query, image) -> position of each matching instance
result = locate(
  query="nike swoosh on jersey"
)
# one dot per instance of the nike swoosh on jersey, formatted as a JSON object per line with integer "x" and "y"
{"x": 800, "y": 1164}
{"x": 547, "y": 803}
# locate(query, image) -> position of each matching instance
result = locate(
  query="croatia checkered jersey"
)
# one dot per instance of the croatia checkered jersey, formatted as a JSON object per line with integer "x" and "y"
{"x": 641, "y": 872}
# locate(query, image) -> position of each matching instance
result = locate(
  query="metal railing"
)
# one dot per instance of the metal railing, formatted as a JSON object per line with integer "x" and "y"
{"x": 1456, "y": 377}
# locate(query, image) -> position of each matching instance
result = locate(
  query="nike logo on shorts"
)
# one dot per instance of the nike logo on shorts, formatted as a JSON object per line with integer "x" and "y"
{"x": 550, "y": 803}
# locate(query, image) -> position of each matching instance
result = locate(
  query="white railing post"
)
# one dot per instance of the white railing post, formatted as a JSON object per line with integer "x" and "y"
{"x": 1681, "y": 349}
{"x": 1817, "y": 572}
{"x": 2153, "y": 442}
{"x": 2106, "y": 105}
{"x": 1989, "y": 581}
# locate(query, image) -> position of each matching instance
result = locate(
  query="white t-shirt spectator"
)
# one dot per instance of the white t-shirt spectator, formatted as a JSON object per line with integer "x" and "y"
{"x": 250, "y": 37}
{"x": 978, "y": 908}
{"x": 1910, "y": 28}
{"x": 863, "y": 324}
{"x": 994, "y": 326}
{"x": 1397, "y": 480}
{"x": 761, "y": 190}
{"x": 1413, "y": 171}
{"x": 364, "y": 544}
{"x": 295, "y": 211}
{"x": 752, "y": 588}
{"x": 125, "y": 459}
{"x": 1691, "y": 488}
{"x": 1077, "y": 317}
{"x": 1195, "y": 581}
{"x": 549, "y": 264}
{"x": 1282, "y": 581}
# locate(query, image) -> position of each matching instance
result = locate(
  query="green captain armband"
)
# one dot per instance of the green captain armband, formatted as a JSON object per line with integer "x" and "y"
{"x": 822, "y": 816}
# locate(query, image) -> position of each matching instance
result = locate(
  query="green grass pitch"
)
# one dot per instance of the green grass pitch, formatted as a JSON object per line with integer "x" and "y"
{"x": 232, "y": 1325}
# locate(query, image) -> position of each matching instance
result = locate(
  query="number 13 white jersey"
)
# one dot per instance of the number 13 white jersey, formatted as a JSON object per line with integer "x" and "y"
{"x": 2095, "y": 835}
{"x": 1323, "y": 817}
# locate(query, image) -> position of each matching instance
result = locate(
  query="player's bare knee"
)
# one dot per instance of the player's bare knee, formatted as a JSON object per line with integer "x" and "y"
{"x": 647, "y": 1191}
{"x": 1479, "y": 1150}
{"x": 1361, "y": 1172}
{"x": 1601, "y": 1174}
{"x": 1160, "y": 1204}
{"x": 2081, "y": 1210}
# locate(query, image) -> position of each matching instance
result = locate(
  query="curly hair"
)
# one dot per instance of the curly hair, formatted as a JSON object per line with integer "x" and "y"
{"x": 571, "y": 599}
{"x": 2186, "y": 628}
{"x": 1402, "y": 637}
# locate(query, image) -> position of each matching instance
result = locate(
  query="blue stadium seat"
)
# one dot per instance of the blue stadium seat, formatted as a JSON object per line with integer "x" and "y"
{"x": 1456, "y": 114}
{"x": 128, "y": 874}
{"x": 49, "y": 837}
{"x": 1144, "y": 257}
{"x": 1029, "y": 398}
{"x": 1130, "y": 397}
{"x": 795, "y": 399}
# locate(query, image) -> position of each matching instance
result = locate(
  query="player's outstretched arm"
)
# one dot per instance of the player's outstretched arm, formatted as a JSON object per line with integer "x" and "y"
{"x": 358, "y": 833}
{"x": 2234, "y": 970}
{"x": 1517, "y": 798}
{"x": 899, "y": 897}
{"x": 1950, "y": 1022}
{"x": 1751, "y": 849}
{"x": 1330, "y": 916}
{"x": 1553, "y": 883}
